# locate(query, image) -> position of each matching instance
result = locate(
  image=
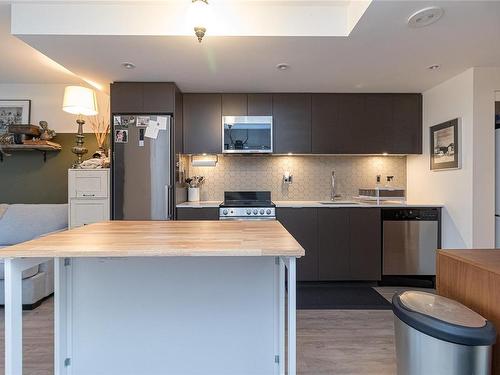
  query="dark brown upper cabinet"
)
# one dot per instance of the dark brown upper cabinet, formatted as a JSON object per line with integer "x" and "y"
{"x": 326, "y": 130}
{"x": 337, "y": 120}
{"x": 366, "y": 123}
{"x": 143, "y": 97}
{"x": 407, "y": 124}
{"x": 377, "y": 125}
{"x": 292, "y": 123}
{"x": 234, "y": 104}
{"x": 202, "y": 117}
{"x": 247, "y": 105}
{"x": 126, "y": 97}
{"x": 159, "y": 97}
{"x": 260, "y": 105}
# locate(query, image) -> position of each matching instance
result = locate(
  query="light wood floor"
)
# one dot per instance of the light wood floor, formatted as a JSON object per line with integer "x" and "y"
{"x": 354, "y": 342}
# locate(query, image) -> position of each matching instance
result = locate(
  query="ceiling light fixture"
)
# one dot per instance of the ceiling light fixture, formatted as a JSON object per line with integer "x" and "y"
{"x": 433, "y": 67}
{"x": 199, "y": 17}
{"x": 425, "y": 17}
{"x": 283, "y": 66}
{"x": 128, "y": 65}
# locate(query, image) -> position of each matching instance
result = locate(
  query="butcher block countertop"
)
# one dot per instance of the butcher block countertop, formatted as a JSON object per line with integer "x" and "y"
{"x": 487, "y": 259}
{"x": 163, "y": 238}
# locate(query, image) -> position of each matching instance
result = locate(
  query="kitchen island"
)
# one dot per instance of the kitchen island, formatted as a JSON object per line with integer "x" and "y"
{"x": 198, "y": 297}
{"x": 472, "y": 277}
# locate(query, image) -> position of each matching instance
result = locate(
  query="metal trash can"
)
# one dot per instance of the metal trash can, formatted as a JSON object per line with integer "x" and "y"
{"x": 438, "y": 336}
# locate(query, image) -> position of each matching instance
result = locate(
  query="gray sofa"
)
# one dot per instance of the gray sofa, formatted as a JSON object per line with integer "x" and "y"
{"x": 24, "y": 222}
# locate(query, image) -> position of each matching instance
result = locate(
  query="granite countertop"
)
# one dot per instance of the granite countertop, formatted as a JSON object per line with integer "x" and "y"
{"x": 340, "y": 203}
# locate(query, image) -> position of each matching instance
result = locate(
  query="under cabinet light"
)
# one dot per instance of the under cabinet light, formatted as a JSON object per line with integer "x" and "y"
{"x": 204, "y": 160}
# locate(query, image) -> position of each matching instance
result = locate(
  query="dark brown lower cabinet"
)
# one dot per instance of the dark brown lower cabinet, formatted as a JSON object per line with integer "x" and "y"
{"x": 302, "y": 223}
{"x": 333, "y": 243}
{"x": 365, "y": 231}
{"x": 204, "y": 213}
{"x": 341, "y": 244}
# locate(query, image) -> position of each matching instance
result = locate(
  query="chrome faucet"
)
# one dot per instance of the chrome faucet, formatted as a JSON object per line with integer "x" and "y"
{"x": 334, "y": 188}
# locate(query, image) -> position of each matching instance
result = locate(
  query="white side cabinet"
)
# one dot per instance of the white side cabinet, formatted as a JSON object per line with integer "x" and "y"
{"x": 88, "y": 195}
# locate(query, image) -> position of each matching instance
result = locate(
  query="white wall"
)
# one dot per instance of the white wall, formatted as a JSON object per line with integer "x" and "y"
{"x": 46, "y": 104}
{"x": 467, "y": 193}
{"x": 451, "y": 99}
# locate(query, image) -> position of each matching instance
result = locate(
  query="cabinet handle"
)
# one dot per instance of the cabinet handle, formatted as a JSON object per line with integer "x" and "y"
{"x": 89, "y": 195}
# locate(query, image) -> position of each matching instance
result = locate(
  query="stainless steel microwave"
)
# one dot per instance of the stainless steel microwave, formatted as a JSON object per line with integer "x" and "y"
{"x": 247, "y": 134}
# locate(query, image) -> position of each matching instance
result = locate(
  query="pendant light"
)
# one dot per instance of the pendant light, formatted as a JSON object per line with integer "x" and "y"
{"x": 199, "y": 17}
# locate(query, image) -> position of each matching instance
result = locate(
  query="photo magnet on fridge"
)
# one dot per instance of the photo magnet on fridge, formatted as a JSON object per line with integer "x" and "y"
{"x": 142, "y": 121}
{"x": 131, "y": 120}
{"x": 127, "y": 120}
{"x": 117, "y": 121}
{"x": 121, "y": 136}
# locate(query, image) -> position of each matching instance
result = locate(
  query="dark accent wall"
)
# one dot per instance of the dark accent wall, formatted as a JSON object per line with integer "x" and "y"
{"x": 25, "y": 178}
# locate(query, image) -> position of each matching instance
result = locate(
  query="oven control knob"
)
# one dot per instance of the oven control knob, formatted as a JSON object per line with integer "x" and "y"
{"x": 261, "y": 212}
{"x": 255, "y": 212}
{"x": 268, "y": 211}
{"x": 249, "y": 212}
{"x": 224, "y": 211}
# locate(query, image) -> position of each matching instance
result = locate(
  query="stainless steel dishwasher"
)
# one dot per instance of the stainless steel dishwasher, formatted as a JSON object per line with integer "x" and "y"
{"x": 410, "y": 238}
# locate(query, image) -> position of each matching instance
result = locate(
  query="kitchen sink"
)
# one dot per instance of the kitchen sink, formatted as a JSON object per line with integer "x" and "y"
{"x": 334, "y": 203}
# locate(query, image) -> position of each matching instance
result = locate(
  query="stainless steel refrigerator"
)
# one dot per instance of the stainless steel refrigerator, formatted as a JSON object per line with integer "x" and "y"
{"x": 141, "y": 167}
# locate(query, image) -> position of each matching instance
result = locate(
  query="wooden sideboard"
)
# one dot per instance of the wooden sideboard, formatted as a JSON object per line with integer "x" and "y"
{"x": 472, "y": 277}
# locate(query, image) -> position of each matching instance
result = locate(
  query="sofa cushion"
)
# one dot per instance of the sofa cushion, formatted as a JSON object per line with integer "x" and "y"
{"x": 30, "y": 272}
{"x": 26, "y": 273}
{"x": 24, "y": 222}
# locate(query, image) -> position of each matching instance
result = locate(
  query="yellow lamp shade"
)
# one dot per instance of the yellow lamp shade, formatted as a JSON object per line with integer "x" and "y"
{"x": 79, "y": 100}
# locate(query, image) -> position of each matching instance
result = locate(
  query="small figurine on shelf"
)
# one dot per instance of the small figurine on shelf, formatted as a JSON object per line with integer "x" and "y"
{"x": 47, "y": 134}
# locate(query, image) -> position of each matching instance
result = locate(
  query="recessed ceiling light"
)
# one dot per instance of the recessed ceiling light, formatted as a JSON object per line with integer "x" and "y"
{"x": 433, "y": 67}
{"x": 283, "y": 66}
{"x": 128, "y": 65}
{"x": 425, "y": 17}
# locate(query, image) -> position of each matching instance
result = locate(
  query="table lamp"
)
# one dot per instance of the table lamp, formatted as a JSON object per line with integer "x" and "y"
{"x": 80, "y": 101}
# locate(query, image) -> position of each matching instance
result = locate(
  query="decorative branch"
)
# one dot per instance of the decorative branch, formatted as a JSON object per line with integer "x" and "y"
{"x": 100, "y": 124}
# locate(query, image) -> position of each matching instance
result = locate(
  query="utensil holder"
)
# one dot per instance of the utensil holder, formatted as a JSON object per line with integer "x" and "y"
{"x": 193, "y": 194}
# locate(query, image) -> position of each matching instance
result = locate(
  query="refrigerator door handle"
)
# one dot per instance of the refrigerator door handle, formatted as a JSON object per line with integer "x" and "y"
{"x": 168, "y": 197}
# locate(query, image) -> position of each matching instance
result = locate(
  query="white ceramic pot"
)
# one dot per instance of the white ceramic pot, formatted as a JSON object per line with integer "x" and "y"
{"x": 193, "y": 194}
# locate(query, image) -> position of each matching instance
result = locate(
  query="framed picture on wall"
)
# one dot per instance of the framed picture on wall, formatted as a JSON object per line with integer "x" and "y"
{"x": 445, "y": 145}
{"x": 14, "y": 112}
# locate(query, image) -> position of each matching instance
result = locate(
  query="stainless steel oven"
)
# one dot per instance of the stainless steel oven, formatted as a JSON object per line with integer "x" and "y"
{"x": 410, "y": 238}
{"x": 247, "y": 134}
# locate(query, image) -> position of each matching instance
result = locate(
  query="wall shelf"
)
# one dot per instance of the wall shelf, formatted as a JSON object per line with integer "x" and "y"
{"x": 43, "y": 148}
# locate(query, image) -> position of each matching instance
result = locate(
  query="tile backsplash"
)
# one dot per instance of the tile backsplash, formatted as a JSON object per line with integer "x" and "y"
{"x": 311, "y": 175}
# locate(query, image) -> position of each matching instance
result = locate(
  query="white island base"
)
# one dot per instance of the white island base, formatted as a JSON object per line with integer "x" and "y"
{"x": 163, "y": 315}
